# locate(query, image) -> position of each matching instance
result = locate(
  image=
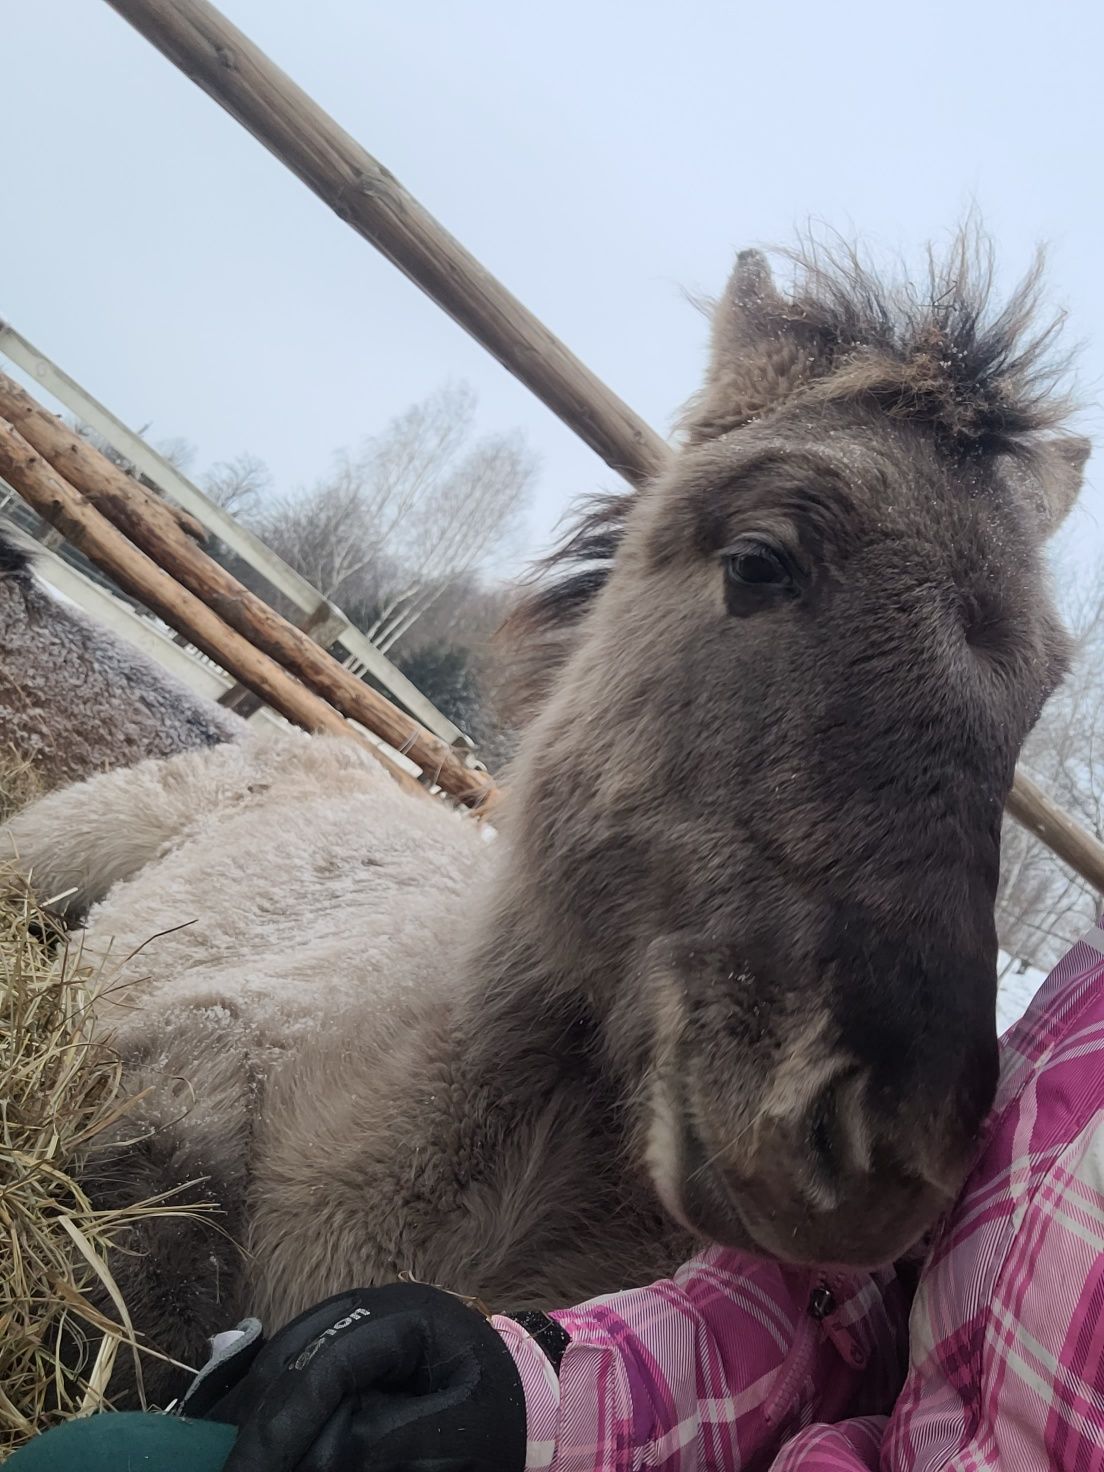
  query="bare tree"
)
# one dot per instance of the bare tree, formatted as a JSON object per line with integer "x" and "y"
{"x": 179, "y": 452}
{"x": 239, "y": 486}
{"x": 1042, "y": 905}
{"x": 413, "y": 510}
{"x": 452, "y": 531}
{"x": 327, "y": 534}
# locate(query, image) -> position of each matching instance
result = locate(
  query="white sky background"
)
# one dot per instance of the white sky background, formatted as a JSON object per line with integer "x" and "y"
{"x": 599, "y": 157}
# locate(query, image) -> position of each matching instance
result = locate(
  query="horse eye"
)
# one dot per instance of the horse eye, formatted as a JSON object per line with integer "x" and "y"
{"x": 756, "y": 565}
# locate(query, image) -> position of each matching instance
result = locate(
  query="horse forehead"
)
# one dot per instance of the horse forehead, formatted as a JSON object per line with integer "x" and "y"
{"x": 902, "y": 487}
{"x": 878, "y": 464}
{"x": 877, "y": 485}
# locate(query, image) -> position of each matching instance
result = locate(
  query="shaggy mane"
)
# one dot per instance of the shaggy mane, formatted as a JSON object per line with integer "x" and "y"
{"x": 536, "y": 636}
{"x": 986, "y": 381}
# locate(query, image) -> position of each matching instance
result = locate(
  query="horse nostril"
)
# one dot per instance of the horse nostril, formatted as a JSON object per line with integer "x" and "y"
{"x": 823, "y": 1127}
{"x": 835, "y": 1130}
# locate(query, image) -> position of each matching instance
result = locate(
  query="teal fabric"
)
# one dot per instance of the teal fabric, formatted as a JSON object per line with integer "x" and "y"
{"x": 130, "y": 1440}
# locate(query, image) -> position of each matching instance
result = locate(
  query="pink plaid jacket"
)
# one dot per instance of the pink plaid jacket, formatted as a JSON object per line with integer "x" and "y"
{"x": 739, "y": 1364}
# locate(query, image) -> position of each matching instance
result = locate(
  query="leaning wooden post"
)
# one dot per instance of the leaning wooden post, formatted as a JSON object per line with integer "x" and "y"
{"x": 64, "y": 507}
{"x": 1036, "y": 812}
{"x": 149, "y": 523}
{"x": 231, "y": 69}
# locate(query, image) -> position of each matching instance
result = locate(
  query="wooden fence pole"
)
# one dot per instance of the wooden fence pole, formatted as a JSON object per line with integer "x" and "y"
{"x": 1039, "y": 814}
{"x": 229, "y": 68}
{"x": 148, "y": 522}
{"x": 240, "y": 78}
{"x": 63, "y": 506}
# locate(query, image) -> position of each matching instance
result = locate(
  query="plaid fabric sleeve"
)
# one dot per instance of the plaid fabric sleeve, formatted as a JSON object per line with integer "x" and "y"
{"x": 736, "y": 1365}
{"x": 1008, "y": 1329}
{"x": 850, "y": 1446}
{"x": 714, "y": 1369}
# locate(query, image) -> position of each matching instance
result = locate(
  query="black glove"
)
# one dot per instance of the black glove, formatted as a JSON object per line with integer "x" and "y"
{"x": 402, "y": 1378}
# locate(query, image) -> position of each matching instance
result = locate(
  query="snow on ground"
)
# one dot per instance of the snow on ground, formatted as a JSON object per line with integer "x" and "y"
{"x": 1015, "y": 992}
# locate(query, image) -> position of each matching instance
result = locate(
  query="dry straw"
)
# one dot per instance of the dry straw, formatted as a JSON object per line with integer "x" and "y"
{"x": 59, "y": 1092}
{"x": 20, "y": 781}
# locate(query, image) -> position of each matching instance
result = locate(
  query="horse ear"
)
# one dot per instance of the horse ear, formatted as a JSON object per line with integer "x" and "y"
{"x": 753, "y": 358}
{"x": 1061, "y": 476}
{"x": 744, "y": 312}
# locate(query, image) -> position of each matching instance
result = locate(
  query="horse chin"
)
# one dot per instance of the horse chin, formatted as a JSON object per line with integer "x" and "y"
{"x": 690, "y": 1191}
{"x": 695, "y": 1194}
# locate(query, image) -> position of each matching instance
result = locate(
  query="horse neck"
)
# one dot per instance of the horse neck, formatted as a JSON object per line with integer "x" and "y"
{"x": 530, "y": 1034}
{"x": 524, "y": 1009}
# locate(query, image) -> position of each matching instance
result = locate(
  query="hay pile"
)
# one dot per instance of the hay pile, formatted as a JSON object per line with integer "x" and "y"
{"x": 20, "y": 782}
{"x": 58, "y": 1093}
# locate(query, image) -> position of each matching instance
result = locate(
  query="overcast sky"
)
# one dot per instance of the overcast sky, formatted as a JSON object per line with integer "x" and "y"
{"x": 601, "y": 158}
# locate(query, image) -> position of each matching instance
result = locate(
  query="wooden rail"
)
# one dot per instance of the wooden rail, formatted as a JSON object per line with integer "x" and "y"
{"x": 240, "y": 78}
{"x": 328, "y": 623}
{"x": 77, "y": 519}
{"x": 229, "y": 68}
{"x": 150, "y": 524}
{"x": 1052, "y": 826}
